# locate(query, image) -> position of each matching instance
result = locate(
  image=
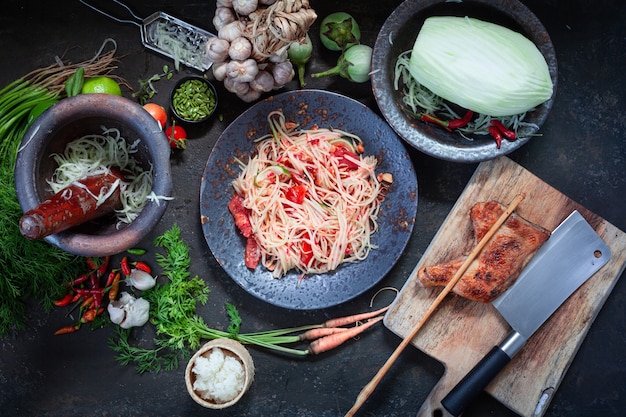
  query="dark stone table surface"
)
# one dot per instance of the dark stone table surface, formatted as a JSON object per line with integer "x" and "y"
{"x": 582, "y": 153}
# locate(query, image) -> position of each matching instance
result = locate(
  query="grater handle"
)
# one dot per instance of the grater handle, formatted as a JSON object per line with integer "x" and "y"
{"x": 137, "y": 20}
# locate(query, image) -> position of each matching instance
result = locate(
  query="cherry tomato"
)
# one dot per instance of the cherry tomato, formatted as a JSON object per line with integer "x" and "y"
{"x": 158, "y": 112}
{"x": 306, "y": 253}
{"x": 346, "y": 157}
{"x": 177, "y": 137}
{"x": 296, "y": 193}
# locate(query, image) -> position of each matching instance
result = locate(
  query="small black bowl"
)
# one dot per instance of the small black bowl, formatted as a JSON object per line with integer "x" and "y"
{"x": 193, "y": 100}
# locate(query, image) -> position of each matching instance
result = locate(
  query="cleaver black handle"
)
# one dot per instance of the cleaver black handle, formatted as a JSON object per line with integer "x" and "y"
{"x": 482, "y": 374}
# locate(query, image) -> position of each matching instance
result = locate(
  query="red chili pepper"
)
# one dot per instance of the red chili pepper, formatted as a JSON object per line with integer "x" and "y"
{"x": 76, "y": 297}
{"x": 97, "y": 297}
{"x": 93, "y": 280}
{"x": 125, "y": 266}
{"x": 91, "y": 263}
{"x": 88, "y": 316}
{"x": 65, "y": 300}
{"x": 110, "y": 279}
{"x": 115, "y": 287}
{"x": 78, "y": 280}
{"x": 89, "y": 291}
{"x": 142, "y": 266}
{"x": 432, "y": 119}
{"x": 497, "y": 136}
{"x": 102, "y": 268}
{"x": 67, "y": 329}
{"x": 88, "y": 301}
{"x": 507, "y": 133}
{"x": 462, "y": 122}
{"x": 449, "y": 124}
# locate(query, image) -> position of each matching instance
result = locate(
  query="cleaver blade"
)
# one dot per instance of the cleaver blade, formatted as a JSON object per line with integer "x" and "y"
{"x": 572, "y": 254}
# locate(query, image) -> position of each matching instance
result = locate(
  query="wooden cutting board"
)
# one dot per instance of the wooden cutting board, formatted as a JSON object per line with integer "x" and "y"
{"x": 461, "y": 332}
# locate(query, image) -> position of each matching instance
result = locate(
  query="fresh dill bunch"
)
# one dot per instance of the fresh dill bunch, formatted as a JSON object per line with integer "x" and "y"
{"x": 161, "y": 358}
{"x": 31, "y": 269}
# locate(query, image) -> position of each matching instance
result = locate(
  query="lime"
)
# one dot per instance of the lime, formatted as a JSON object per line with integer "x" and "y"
{"x": 104, "y": 85}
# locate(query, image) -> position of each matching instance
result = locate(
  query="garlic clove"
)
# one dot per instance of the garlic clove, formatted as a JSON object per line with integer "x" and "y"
{"x": 141, "y": 279}
{"x": 116, "y": 313}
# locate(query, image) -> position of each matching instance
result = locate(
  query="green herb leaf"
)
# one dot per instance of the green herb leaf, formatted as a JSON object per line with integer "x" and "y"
{"x": 74, "y": 83}
{"x": 235, "y": 320}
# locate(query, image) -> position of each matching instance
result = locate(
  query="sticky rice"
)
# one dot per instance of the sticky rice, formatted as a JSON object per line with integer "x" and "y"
{"x": 219, "y": 377}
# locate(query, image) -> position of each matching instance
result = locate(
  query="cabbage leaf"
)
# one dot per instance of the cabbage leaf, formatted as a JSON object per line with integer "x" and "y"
{"x": 480, "y": 66}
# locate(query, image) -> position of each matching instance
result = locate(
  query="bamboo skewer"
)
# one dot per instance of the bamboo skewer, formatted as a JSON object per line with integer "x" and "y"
{"x": 371, "y": 386}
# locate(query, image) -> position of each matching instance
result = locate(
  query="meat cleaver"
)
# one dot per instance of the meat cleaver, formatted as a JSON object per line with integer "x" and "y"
{"x": 572, "y": 254}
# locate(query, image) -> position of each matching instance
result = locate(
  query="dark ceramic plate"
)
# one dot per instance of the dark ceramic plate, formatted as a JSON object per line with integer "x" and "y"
{"x": 309, "y": 107}
{"x": 398, "y": 35}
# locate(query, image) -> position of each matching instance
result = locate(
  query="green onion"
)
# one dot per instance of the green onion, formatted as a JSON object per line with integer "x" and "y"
{"x": 272, "y": 171}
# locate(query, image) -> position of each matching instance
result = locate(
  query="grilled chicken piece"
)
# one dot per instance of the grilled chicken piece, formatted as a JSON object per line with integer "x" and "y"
{"x": 499, "y": 263}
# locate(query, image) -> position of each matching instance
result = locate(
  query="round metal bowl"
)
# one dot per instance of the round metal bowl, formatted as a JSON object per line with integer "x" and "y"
{"x": 398, "y": 35}
{"x": 70, "y": 119}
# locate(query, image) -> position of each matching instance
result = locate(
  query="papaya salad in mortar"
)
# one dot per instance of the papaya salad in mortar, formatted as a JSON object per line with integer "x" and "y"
{"x": 307, "y": 199}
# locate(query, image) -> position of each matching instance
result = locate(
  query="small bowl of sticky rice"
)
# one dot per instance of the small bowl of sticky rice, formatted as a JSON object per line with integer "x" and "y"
{"x": 219, "y": 373}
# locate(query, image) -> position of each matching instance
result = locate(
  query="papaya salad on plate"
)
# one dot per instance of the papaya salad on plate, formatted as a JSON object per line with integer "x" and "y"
{"x": 308, "y": 199}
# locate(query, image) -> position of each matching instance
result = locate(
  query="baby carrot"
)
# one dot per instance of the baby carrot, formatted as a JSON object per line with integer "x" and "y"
{"x": 321, "y": 332}
{"x": 343, "y": 321}
{"x": 327, "y": 343}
